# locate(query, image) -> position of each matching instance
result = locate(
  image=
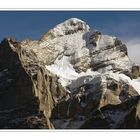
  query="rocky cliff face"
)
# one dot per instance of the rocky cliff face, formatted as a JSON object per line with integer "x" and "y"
{"x": 73, "y": 77}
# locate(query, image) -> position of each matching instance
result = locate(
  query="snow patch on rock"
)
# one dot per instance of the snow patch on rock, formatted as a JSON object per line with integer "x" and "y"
{"x": 63, "y": 69}
{"x": 135, "y": 83}
{"x": 67, "y": 74}
{"x": 105, "y": 40}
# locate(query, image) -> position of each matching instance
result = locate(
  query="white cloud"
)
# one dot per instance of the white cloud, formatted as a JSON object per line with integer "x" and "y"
{"x": 133, "y": 46}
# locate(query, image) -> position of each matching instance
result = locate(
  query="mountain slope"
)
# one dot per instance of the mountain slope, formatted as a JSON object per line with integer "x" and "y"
{"x": 81, "y": 78}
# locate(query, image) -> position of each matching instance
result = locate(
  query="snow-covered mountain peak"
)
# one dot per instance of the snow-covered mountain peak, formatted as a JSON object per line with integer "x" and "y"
{"x": 68, "y": 27}
{"x": 77, "y": 49}
{"x": 79, "y": 75}
{"x": 71, "y": 26}
{"x": 72, "y": 50}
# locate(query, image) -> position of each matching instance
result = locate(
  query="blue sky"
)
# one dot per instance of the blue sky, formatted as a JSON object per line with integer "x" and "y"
{"x": 32, "y": 24}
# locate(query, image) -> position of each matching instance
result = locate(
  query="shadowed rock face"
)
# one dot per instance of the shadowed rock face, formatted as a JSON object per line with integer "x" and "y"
{"x": 16, "y": 85}
{"x": 135, "y": 72}
{"x": 121, "y": 116}
{"x": 18, "y": 106}
{"x": 73, "y": 77}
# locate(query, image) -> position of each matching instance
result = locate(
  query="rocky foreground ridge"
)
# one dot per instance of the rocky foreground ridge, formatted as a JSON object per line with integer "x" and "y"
{"x": 74, "y": 77}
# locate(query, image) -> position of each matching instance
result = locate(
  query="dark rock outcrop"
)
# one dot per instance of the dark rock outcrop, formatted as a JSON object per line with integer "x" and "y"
{"x": 135, "y": 72}
{"x": 18, "y": 105}
{"x": 122, "y": 116}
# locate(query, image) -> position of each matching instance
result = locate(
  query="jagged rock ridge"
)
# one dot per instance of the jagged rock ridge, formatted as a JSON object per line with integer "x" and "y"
{"x": 76, "y": 76}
